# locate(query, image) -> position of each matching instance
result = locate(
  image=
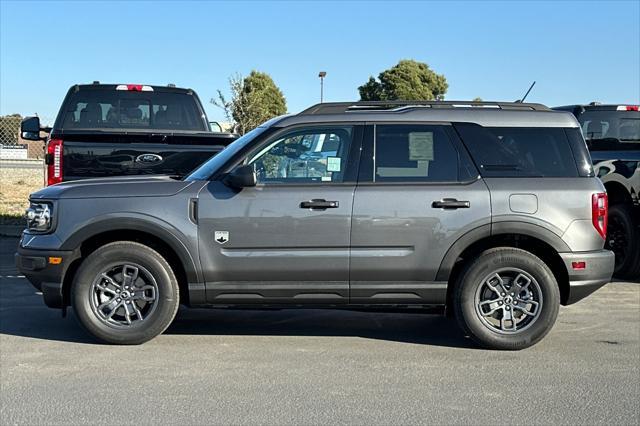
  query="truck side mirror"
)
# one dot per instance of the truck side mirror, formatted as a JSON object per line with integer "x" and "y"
{"x": 241, "y": 177}
{"x": 215, "y": 126}
{"x": 30, "y": 129}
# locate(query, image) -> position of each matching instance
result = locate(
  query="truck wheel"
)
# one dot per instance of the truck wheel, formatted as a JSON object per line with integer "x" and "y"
{"x": 506, "y": 298}
{"x": 623, "y": 239}
{"x": 125, "y": 293}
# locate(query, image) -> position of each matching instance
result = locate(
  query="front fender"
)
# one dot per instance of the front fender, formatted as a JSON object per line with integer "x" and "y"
{"x": 178, "y": 241}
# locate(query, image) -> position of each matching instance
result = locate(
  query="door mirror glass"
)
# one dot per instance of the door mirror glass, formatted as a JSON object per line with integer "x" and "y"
{"x": 30, "y": 128}
{"x": 241, "y": 177}
{"x": 215, "y": 126}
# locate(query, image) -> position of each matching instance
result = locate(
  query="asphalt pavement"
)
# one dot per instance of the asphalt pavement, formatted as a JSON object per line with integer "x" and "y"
{"x": 316, "y": 367}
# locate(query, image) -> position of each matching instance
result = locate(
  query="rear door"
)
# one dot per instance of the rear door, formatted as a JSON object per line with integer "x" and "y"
{"x": 417, "y": 194}
{"x": 287, "y": 239}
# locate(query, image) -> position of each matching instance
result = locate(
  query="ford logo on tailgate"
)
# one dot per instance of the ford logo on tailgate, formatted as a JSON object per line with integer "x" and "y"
{"x": 148, "y": 158}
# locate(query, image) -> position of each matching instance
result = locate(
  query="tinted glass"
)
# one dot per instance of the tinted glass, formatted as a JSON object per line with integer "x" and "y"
{"x": 305, "y": 156}
{"x": 414, "y": 153}
{"x": 611, "y": 130}
{"x": 519, "y": 151}
{"x": 110, "y": 108}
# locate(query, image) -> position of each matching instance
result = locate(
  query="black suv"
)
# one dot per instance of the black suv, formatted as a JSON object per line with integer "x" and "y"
{"x": 612, "y": 133}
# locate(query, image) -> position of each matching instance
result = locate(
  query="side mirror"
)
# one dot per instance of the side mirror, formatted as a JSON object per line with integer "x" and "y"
{"x": 30, "y": 129}
{"x": 215, "y": 126}
{"x": 241, "y": 177}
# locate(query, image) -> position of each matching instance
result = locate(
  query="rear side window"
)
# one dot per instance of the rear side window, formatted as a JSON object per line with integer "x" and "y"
{"x": 414, "y": 153}
{"x": 111, "y": 108}
{"x": 519, "y": 151}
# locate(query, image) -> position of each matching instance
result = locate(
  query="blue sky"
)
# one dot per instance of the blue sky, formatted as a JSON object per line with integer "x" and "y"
{"x": 576, "y": 51}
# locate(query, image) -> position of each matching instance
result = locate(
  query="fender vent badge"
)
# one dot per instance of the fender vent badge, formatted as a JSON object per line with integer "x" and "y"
{"x": 221, "y": 237}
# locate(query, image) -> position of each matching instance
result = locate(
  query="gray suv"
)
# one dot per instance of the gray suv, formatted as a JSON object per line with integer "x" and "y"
{"x": 487, "y": 211}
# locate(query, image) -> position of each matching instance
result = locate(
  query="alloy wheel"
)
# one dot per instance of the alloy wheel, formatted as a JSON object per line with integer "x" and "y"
{"x": 124, "y": 295}
{"x": 508, "y": 301}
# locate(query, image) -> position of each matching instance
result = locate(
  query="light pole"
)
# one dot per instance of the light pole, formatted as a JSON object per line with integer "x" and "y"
{"x": 322, "y": 75}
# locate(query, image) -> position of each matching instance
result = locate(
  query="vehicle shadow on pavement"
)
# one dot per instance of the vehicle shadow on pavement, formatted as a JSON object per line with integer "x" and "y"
{"x": 22, "y": 313}
{"x": 414, "y": 328}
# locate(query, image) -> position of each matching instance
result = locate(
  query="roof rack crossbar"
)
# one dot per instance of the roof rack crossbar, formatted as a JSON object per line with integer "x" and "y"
{"x": 400, "y": 106}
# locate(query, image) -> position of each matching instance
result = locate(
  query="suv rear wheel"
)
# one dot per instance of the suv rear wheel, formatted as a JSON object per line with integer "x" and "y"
{"x": 125, "y": 293}
{"x": 507, "y": 298}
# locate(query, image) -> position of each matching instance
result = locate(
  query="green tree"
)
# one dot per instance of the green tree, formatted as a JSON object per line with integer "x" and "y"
{"x": 477, "y": 99}
{"x": 408, "y": 80}
{"x": 254, "y": 100}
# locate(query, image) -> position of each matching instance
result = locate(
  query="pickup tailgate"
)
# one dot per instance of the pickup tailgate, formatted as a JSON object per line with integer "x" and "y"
{"x": 104, "y": 155}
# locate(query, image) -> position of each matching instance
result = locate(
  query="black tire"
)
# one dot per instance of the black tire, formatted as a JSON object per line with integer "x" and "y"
{"x": 623, "y": 238}
{"x": 84, "y": 296}
{"x": 471, "y": 282}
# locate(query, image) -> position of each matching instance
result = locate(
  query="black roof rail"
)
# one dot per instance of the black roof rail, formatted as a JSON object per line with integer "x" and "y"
{"x": 400, "y": 106}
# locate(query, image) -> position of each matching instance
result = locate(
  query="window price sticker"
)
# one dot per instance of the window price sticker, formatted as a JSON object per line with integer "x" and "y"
{"x": 421, "y": 146}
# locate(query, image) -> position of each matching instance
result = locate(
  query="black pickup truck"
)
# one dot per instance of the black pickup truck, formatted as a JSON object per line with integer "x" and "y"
{"x": 612, "y": 133}
{"x": 128, "y": 129}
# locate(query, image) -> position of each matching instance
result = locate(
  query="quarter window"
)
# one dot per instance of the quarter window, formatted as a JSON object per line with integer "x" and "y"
{"x": 519, "y": 151}
{"x": 305, "y": 156}
{"x": 414, "y": 153}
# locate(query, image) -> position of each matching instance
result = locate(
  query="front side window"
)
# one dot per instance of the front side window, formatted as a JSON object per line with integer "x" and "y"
{"x": 304, "y": 156}
{"x": 414, "y": 153}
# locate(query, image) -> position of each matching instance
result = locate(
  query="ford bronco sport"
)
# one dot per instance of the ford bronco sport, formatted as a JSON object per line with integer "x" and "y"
{"x": 489, "y": 211}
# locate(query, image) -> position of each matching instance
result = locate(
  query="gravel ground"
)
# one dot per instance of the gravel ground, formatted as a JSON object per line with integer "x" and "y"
{"x": 316, "y": 367}
{"x": 15, "y": 186}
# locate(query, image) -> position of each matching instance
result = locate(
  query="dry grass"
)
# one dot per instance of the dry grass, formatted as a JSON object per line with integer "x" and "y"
{"x": 15, "y": 187}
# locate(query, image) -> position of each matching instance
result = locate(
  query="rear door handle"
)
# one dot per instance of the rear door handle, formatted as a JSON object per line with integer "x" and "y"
{"x": 450, "y": 203}
{"x": 318, "y": 204}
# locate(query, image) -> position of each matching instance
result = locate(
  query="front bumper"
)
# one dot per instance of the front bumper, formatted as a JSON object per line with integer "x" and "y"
{"x": 43, "y": 275}
{"x": 596, "y": 273}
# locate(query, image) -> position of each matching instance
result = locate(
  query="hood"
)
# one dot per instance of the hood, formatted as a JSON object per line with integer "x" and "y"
{"x": 124, "y": 186}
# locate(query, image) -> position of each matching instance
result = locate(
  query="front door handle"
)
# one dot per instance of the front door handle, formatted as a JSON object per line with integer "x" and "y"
{"x": 450, "y": 203}
{"x": 317, "y": 204}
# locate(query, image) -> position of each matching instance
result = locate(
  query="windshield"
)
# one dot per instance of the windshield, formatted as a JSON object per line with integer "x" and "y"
{"x": 207, "y": 169}
{"x": 611, "y": 130}
{"x": 127, "y": 110}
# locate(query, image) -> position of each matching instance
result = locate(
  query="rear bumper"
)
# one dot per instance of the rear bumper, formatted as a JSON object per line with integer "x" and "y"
{"x": 44, "y": 276}
{"x": 596, "y": 273}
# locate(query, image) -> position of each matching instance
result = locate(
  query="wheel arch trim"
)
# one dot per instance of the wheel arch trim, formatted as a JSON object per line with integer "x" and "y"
{"x": 142, "y": 223}
{"x": 496, "y": 229}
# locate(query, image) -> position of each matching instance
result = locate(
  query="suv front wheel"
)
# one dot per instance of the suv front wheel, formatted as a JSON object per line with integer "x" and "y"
{"x": 125, "y": 293}
{"x": 506, "y": 298}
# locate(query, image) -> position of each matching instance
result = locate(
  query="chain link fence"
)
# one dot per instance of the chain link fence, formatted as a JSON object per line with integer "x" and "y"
{"x": 12, "y": 146}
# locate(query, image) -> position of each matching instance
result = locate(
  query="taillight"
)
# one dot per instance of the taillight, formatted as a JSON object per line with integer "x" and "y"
{"x": 628, "y": 108}
{"x": 54, "y": 161}
{"x": 599, "y": 215}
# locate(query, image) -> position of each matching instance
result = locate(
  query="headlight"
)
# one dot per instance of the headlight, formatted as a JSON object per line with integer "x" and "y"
{"x": 39, "y": 215}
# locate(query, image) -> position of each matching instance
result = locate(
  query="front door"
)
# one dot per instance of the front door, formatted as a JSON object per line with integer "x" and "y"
{"x": 287, "y": 239}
